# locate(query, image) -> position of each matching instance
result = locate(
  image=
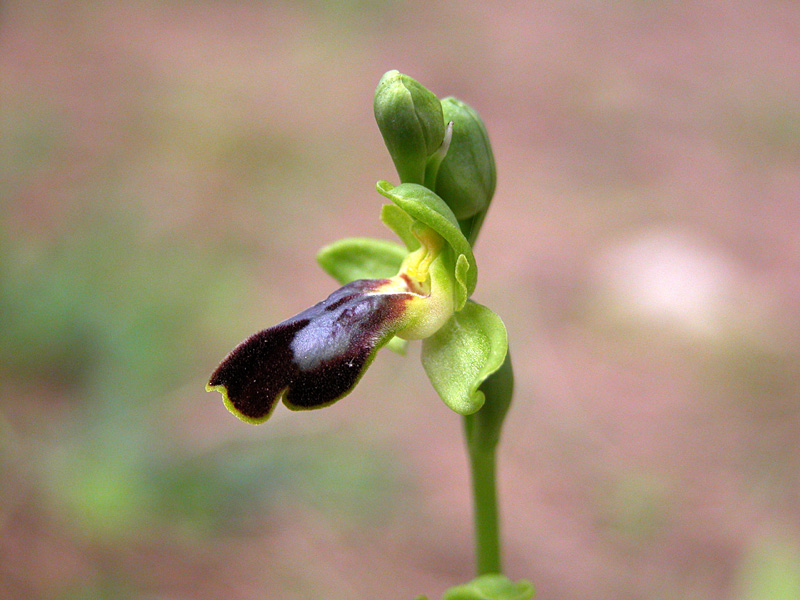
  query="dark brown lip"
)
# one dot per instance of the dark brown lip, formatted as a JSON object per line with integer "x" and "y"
{"x": 314, "y": 358}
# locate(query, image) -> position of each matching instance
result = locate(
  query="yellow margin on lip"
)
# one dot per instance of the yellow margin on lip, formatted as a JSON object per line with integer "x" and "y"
{"x": 229, "y": 405}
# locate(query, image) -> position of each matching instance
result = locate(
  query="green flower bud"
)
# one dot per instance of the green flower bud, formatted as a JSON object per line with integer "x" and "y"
{"x": 467, "y": 177}
{"x": 410, "y": 118}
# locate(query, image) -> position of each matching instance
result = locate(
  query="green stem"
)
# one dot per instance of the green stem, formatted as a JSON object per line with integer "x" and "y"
{"x": 484, "y": 496}
{"x": 482, "y": 430}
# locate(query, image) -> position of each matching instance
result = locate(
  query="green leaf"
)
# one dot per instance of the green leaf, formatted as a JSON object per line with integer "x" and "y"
{"x": 462, "y": 354}
{"x": 361, "y": 258}
{"x": 491, "y": 587}
{"x": 424, "y": 206}
{"x": 396, "y": 219}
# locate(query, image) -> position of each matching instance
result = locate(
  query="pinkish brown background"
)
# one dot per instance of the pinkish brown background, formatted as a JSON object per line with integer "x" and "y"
{"x": 168, "y": 171}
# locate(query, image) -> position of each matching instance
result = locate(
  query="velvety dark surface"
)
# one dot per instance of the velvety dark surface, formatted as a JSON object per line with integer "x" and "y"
{"x": 314, "y": 358}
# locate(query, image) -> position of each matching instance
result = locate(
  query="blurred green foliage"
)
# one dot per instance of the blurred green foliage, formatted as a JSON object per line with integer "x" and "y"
{"x": 770, "y": 570}
{"x": 120, "y": 486}
{"x": 637, "y": 508}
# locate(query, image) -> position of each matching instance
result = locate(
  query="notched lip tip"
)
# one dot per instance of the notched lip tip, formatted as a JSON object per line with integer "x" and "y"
{"x": 226, "y": 400}
{"x": 249, "y": 420}
{"x": 236, "y": 412}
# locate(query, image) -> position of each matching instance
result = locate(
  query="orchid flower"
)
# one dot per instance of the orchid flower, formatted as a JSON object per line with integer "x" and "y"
{"x": 316, "y": 357}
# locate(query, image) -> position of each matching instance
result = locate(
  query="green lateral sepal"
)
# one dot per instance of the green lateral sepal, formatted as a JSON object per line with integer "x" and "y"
{"x": 350, "y": 259}
{"x": 462, "y": 354}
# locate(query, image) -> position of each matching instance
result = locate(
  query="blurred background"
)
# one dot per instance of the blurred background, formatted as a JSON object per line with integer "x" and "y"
{"x": 168, "y": 171}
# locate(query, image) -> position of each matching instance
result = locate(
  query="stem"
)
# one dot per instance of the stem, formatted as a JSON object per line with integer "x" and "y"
{"x": 484, "y": 496}
{"x": 482, "y": 430}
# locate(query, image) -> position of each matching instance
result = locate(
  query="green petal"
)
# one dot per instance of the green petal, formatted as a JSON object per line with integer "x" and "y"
{"x": 361, "y": 258}
{"x": 462, "y": 292}
{"x": 396, "y": 219}
{"x": 462, "y": 354}
{"x": 398, "y": 345}
{"x": 491, "y": 587}
{"x": 424, "y": 206}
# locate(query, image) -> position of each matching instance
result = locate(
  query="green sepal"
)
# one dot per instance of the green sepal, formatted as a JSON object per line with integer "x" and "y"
{"x": 361, "y": 258}
{"x": 460, "y": 356}
{"x": 422, "y": 205}
{"x": 491, "y": 587}
{"x": 467, "y": 176}
{"x": 398, "y": 220}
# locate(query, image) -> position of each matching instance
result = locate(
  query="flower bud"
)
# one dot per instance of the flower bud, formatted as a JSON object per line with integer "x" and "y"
{"x": 466, "y": 179}
{"x": 410, "y": 118}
